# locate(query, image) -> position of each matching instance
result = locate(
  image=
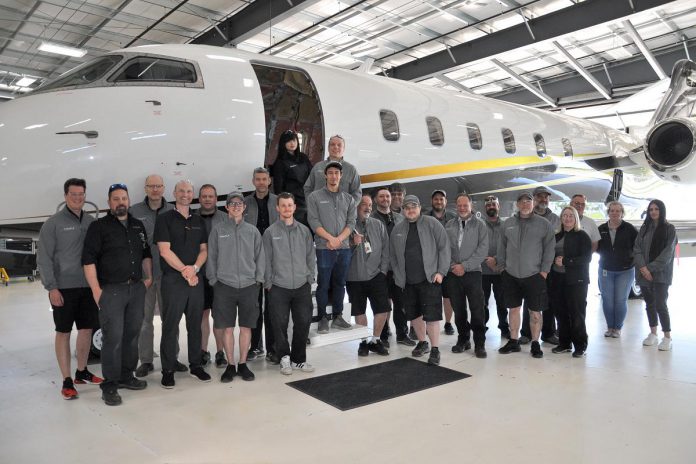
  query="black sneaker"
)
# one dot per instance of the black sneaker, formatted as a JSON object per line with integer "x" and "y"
{"x": 220, "y": 360}
{"x": 132, "y": 384}
{"x": 229, "y": 374}
{"x": 378, "y": 347}
{"x": 551, "y": 340}
{"x": 461, "y": 346}
{"x": 272, "y": 358}
{"x": 449, "y": 330}
{"x": 85, "y": 376}
{"x": 385, "y": 342}
{"x": 205, "y": 357}
{"x": 434, "y": 357}
{"x": 578, "y": 353}
{"x": 405, "y": 341}
{"x": 536, "y": 350}
{"x": 168, "y": 380}
{"x": 258, "y": 353}
{"x": 144, "y": 369}
{"x": 363, "y": 350}
{"x": 111, "y": 397}
{"x": 245, "y": 373}
{"x": 480, "y": 352}
{"x": 180, "y": 367}
{"x": 200, "y": 374}
{"x": 512, "y": 346}
{"x": 420, "y": 349}
{"x": 561, "y": 349}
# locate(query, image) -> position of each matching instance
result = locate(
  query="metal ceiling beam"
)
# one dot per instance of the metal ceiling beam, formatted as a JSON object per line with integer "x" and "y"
{"x": 523, "y": 82}
{"x": 638, "y": 40}
{"x": 456, "y": 84}
{"x": 573, "y": 18}
{"x": 624, "y": 73}
{"x": 253, "y": 19}
{"x": 582, "y": 71}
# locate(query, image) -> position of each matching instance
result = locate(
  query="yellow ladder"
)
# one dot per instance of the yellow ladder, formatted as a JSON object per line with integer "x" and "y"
{"x": 4, "y": 277}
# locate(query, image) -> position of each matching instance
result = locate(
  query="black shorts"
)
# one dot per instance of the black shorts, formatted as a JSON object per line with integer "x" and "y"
{"x": 228, "y": 299}
{"x": 79, "y": 308}
{"x": 423, "y": 299}
{"x": 208, "y": 294}
{"x": 375, "y": 289}
{"x": 531, "y": 289}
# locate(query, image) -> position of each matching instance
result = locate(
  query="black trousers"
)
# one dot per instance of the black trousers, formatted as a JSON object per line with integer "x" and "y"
{"x": 282, "y": 302}
{"x": 121, "y": 308}
{"x": 462, "y": 289}
{"x": 179, "y": 299}
{"x": 655, "y": 296}
{"x": 396, "y": 295}
{"x": 264, "y": 318}
{"x": 548, "y": 328}
{"x": 569, "y": 303}
{"x": 494, "y": 282}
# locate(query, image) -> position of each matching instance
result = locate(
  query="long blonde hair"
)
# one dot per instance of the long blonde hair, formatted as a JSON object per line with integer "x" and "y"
{"x": 577, "y": 225}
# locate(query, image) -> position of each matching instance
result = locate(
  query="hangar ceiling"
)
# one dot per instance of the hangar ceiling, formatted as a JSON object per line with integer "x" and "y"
{"x": 546, "y": 53}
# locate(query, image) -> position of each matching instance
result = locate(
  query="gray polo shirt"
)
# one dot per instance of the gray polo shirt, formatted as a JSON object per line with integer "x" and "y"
{"x": 235, "y": 254}
{"x": 350, "y": 179}
{"x": 468, "y": 243}
{"x": 59, "y": 257}
{"x": 334, "y": 211}
{"x": 290, "y": 256}
{"x": 590, "y": 227}
{"x": 148, "y": 217}
{"x": 365, "y": 266}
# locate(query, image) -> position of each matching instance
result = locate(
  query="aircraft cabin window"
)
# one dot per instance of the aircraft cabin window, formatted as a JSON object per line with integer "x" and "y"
{"x": 390, "y": 125}
{"x": 475, "y": 139}
{"x": 567, "y": 147}
{"x": 85, "y": 74}
{"x": 508, "y": 140}
{"x": 435, "y": 132}
{"x": 153, "y": 69}
{"x": 540, "y": 145}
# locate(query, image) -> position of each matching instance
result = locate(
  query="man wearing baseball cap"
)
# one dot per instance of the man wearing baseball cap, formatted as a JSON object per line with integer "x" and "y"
{"x": 526, "y": 253}
{"x": 420, "y": 258}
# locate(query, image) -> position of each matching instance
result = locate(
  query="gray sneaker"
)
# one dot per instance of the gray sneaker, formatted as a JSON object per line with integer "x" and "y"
{"x": 285, "y": 365}
{"x": 340, "y": 323}
{"x": 524, "y": 340}
{"x": 323, "y": 326}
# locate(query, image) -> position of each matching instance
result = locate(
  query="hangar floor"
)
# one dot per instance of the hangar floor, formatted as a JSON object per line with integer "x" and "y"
{"x": 622, "y": 403}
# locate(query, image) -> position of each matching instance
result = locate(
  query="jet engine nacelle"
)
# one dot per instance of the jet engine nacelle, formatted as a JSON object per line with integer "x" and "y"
{"x": 670, "y": 149}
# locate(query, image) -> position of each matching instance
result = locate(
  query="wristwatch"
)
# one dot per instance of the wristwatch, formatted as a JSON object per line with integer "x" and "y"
{"x": 195, "y": 269}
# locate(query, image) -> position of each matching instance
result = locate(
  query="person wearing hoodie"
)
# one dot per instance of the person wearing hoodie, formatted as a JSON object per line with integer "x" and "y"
{"x": 290, "y": 171}
{"x": 654, "y": 259}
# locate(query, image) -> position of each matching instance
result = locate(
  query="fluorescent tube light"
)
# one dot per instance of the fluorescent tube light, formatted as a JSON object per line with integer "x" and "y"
{"x": 62, "y": 50}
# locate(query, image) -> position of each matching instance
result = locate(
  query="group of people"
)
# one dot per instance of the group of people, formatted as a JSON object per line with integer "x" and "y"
{"x": 254, "y": 267}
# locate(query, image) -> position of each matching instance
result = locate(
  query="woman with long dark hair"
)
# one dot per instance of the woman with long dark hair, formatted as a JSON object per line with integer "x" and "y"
{"x": 290, "y": 172}
{"x": 568, "y": 282}
{"x": 616, "y": 273}
{"x": 654, "y": 260}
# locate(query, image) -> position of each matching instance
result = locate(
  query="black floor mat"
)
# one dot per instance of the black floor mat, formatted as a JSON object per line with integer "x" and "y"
{"x": 378, "y": 382}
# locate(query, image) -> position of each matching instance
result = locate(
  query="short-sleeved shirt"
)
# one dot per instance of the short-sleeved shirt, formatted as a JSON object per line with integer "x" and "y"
{"x": 184, "y": 234}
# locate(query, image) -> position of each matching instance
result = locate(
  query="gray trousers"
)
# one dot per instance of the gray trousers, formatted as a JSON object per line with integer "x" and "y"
{"x": 146, "y": 351}
{"x": 120, "y": 316}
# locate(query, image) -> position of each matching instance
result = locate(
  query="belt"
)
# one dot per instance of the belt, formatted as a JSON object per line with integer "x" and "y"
{"x": 131, "y": 282}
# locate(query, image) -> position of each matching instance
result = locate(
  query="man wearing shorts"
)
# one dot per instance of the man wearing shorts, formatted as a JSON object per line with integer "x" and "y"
{"x": 60, "y": 264}
{"x": 235, "y": 269}
{"x": 525, "y": 252}
{"x": 420, "y": 258}
{"x": 367, "y": 275}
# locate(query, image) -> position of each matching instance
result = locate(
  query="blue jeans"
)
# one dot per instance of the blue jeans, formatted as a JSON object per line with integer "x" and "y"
{"x": 615, "y": 287}
{"x": 332, "y": 267}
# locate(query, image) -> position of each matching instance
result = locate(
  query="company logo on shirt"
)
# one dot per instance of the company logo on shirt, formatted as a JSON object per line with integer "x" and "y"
{"x": 224, "y": 236}
{"x": 69, "y": 228}
{"x": 277, "y": 238}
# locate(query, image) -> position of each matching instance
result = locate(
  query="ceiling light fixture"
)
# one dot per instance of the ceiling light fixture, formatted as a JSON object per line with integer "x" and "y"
{"x": 25, "y": 82}
{"x": 62, "y": 50}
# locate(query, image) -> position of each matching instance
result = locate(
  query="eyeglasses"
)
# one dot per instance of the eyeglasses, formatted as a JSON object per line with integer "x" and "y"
{"x": 235, "y": 204}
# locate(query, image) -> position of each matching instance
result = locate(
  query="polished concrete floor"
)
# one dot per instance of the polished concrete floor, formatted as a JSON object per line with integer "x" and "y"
{"x": 623, "y": 403}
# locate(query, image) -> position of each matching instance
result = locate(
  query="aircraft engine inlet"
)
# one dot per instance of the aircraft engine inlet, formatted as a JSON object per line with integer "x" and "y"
{"x": 670, "y": 148}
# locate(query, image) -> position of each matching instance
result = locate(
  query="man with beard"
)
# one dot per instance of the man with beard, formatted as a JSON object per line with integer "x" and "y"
{"x": 382, "y": 199}
{"x": 118, "y": 267}
{"x": 490, "y": 273}
{"x": 438, "y": 210}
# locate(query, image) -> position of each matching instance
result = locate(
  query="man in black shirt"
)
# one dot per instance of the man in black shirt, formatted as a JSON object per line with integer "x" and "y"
{"x": 114, "y": 256}
{"x": 182, "y": 243}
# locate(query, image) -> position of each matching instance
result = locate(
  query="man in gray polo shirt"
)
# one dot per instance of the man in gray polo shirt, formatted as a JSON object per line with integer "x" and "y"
{"x": 420, "y": 258}
{"x": 468, "y": 240}
{"x": 350, "y": 179}
{"x": 235, "y": 269}
{"x": 331, "y": 214}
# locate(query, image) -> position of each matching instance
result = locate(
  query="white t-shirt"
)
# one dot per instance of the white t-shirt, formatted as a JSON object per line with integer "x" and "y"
{"x": 590, "y": 227}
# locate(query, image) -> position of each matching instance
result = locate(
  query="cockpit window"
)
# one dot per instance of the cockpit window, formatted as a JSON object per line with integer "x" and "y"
{"x": 85, "y": 74}
{"x": 154, "y": 69}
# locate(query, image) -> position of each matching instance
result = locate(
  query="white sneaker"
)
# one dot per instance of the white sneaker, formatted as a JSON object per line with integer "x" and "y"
{"x": 608, "y": 332}
{"x": 650, "y": 340}
{"x": 285, "y": 365}
{"x": 304, "y": 367}
{"x": 616, "y": 333}
{"x": 665, "y": 344}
